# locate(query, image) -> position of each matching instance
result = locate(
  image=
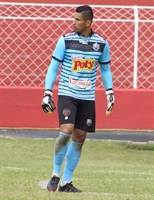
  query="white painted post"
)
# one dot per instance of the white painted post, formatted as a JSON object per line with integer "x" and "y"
{"x": 135, "y": 47}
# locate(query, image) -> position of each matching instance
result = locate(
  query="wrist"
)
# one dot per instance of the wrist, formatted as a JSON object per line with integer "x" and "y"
{"x": 109, "y": 91}
{"x": 48, "y": 92}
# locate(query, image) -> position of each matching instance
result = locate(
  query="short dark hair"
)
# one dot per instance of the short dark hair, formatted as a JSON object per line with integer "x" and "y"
{"x": 86, "y": 11}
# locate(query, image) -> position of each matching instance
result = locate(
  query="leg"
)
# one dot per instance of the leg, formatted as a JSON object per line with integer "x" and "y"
{"x": 61, "y": 147}
{"x": 67, "y": 108}
{"x": 72, "y": 159}
{"x": 60, "y": 152}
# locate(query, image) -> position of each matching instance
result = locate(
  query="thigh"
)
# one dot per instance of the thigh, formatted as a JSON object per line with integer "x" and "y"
{"x": 85, "y": 118}
{"x": 67, "y": 109}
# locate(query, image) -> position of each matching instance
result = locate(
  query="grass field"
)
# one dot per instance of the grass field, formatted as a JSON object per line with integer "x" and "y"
{"x": 107, "y": 171}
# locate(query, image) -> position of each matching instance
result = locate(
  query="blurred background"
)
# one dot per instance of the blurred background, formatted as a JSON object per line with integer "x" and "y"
{"x": 29, "y": 34}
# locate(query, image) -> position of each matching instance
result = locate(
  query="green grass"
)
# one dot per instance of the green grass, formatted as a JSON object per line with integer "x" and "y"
{"x": 106, "y": 171}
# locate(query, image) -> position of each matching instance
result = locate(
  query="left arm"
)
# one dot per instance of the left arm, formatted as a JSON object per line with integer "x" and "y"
{"x": 107, "y": 77}
{"x": 107, "y": 81}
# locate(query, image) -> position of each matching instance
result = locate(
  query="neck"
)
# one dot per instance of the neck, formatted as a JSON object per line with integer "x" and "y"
{"x": 86, "y": 33}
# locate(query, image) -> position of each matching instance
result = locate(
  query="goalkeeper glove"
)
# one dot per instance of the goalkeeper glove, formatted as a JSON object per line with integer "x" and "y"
{"x": 110, "y": 101}
{"x": 47, "y": 103}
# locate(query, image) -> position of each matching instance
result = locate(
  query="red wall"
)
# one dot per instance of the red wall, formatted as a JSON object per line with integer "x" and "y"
{"x": 100, "y": 2}
{"x": 20, "y": 107}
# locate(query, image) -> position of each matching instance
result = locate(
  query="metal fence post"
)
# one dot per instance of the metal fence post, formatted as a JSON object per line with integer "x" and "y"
{"x": 135, "y": 47}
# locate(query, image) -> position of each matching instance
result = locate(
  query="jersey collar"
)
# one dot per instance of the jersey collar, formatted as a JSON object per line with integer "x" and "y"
{"x": 92, "y": 32}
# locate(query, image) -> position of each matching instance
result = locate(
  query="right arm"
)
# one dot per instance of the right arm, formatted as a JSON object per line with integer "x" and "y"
{"x": 57, "y": 58}
{"x": 58, "y": 55}
{"x": 51, "y": 74}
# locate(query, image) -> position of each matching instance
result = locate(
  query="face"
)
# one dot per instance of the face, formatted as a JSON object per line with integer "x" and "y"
{"x": 80, "y": 25}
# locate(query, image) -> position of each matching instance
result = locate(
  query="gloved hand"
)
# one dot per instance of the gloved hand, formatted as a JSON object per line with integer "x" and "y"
{"x": 47, "y": 103}
{"x": 110, "y": 101}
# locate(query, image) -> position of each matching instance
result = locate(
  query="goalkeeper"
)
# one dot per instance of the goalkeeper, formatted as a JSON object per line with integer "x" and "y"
{"x": 80, "y": 52}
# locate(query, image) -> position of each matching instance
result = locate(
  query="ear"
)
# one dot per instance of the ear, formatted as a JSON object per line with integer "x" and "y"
{"x": 88, "y": 23}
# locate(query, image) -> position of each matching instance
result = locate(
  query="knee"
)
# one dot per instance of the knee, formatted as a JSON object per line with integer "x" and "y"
{"x": 63, "y": 139}
{"x": 79, "y": 135}
{"x": 61, "y": 142}
{"x": 78, "y": 138}
{"x": 67, "y": 128}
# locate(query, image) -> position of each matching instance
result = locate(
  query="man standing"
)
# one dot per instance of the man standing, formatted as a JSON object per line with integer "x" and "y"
{"x": 80, "y": 52}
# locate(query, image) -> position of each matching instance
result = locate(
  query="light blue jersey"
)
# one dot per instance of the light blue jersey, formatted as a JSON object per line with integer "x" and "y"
{"x": 80, "y": 57}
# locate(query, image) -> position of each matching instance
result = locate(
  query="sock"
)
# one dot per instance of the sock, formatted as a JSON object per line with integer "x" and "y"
{"x": 63, "y": 183}
{"x": 61, "y": 147}
{"x": 72, "y": 159}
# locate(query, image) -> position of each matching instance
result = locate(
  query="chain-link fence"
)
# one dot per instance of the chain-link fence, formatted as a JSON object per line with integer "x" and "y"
{"x": 30, "y": 32}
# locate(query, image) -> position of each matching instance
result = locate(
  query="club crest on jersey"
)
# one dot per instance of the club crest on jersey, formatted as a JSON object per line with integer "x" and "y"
{"x": 89, "y": 122}
{"x": 83, "y": 64}
{"x": 96, "y": 46}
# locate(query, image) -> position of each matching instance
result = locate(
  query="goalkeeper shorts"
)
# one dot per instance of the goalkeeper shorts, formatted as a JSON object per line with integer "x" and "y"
{"x": 79, "y": 112}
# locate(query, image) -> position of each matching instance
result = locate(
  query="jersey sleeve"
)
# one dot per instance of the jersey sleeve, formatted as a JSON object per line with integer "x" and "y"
{"x": 51, "y": 74}
{"x": 106, "y": 75}
{"x": 57, "y": 58}
{"x": 105, "y": 56}
{"x": 59, "y": 51}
